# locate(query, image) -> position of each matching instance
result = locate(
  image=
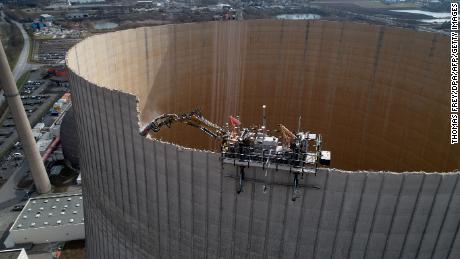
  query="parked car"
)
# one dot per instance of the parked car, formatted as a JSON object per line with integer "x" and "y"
{"x": 17, "y": 208}
{"x": 18, "y": 156}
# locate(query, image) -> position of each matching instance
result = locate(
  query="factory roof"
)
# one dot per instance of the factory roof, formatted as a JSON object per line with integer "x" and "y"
{"x": 51, "y": 211}
{"x": 12, "y": 253}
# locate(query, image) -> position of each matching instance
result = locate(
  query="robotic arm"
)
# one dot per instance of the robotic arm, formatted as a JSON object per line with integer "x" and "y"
{"x": 193, "y": 118}
{"x": 158, "y": 123}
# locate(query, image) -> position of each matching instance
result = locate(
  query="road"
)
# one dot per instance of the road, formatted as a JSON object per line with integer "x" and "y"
{"x": 9, "y": 195}
{"x": 22, "y": 64}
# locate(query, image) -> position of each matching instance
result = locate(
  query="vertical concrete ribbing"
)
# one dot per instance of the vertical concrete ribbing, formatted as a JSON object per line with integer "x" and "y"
{"x": 192, "y": 202}
{"x": 137, "y": 148}
{"x": 358, "y": 216}
{"x": 176, "y": 196}
{"x": 412, "y": 214}
{"x": 125, "y": 235}
{"x": 352, "y": 207}
{"x": 454, "y": 248}
{"x": 374, "y": 213}
{"x": 436, "y": 216}
{"x": 282, "y": 252}
{"x": 206, "y": 204}
{"x": 234, "y": 215}
{"x": 79, "y": 111}
{"x": 186, "y": 205}
{"x": 421, "y": 216}
{"x": 214, "y": 204}
{"x": 96, "y": 101}
{"x": 251, "y": 220}
{"x": 337, "y": 225}
{"x": 243, "y": 215}
{"x": 388, "y": 202}
{"x": 110, "y": 141}
{"x": 131, "y": 181}
{"x": 300, "y": 224}
{"x": 109, "y": 196}
{"x": 221, "y": 180}
{"x": 393, "y": 216}
{"x": 199, "y": 196}
{"x": 157, "y": 196}
{"x": 331, "y": 208}
{"x": 452, "y": 205}
{"x": 179, "y": 207}
{"x": 267, "y": 218}
{"x": 87, "y": 167}
{"x": 259, "y": 217}
{"x": 163, "y": 199}
{"x": 150, "y": 225}
{"x": 113, "y": 124}
{"x": 320, "y": 218}
{"x": 94, "y": 165}
{"x": 293, "y": 214}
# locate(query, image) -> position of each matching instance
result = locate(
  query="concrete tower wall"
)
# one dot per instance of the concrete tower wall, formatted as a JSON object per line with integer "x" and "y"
{"x": 145, "y": 198}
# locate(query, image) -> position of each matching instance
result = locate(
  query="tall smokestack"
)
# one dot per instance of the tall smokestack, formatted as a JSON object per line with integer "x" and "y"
{"x": 33, "y": 157}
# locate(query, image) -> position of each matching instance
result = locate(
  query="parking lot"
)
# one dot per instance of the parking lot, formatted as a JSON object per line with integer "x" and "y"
{"x": 37, "y": 100}
{"x": 52, "y": 51}
{"x": 35, "y": 106}
{"x": 33, "y": 87}
{"x": 10, "y": 162}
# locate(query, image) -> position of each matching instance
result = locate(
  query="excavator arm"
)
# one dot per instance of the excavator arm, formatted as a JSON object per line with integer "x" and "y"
{"x": 244, "y": 147}
{"x": 193, "y": 118}
{"x": 158, "y": 123}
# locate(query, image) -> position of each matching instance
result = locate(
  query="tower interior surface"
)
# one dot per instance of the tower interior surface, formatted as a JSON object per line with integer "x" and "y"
{"x": 378, "y": 95}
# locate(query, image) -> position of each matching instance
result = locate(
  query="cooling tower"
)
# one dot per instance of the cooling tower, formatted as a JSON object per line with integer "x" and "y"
{"x": 69, "y": 141}
{"x": 378, "y": 95}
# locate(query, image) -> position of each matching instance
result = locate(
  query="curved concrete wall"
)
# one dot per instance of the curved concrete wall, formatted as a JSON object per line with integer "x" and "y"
{"x": 69, "y": 141}
{"x": 378, "y": 95}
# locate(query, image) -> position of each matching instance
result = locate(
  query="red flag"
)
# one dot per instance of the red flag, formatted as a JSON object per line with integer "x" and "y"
{"x": 234, "y": 121}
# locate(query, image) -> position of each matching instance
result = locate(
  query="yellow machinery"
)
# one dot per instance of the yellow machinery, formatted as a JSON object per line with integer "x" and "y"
{"x": 298, "y": 153}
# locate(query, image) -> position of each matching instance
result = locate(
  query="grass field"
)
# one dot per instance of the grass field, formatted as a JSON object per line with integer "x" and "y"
{"x": 22, "y": 80}
{"x": 380, "y": 5}
{"x": 12, "y": 41}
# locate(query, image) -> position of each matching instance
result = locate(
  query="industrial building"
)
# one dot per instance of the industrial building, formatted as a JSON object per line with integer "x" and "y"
{"x": 13, "y": 254}
{"x": 378, "y": 95}
{"x": 46, "y": 18}
{"x": 48, "y": 219}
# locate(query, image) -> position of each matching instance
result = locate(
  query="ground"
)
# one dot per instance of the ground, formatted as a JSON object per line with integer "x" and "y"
{"x": 74, "y": 250}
